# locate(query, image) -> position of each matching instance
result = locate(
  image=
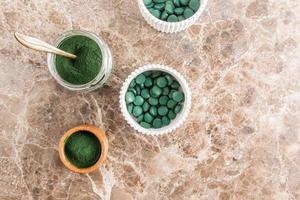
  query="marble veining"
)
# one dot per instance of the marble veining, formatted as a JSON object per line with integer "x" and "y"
{"x": 241, "y": 141}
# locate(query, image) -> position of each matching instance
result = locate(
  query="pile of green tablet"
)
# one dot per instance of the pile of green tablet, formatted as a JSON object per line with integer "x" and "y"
{"x": 172, "y": 10}
{"x": 154, "y": 98}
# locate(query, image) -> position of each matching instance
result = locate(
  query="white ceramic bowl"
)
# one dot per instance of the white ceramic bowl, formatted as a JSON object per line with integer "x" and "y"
{"x": 170, "y": 27}
{"x": 175, "y": 123}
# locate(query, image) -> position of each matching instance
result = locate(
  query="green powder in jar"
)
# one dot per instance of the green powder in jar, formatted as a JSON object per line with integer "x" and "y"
{"x": 85, "y": 67}
{"x": 82, "y": 149}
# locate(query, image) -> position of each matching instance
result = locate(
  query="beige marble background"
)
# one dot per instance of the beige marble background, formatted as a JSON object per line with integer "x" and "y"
{"x": 241, "y": 140}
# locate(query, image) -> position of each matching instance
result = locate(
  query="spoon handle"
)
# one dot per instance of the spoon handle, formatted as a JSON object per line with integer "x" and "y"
{"x": 36, "y": 44}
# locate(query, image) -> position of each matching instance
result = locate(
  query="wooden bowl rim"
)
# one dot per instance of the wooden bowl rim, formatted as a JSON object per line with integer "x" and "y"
{"x": 99, "y": 133}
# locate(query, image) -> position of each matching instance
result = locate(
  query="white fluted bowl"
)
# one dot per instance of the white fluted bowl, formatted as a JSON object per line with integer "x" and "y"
{"x": 175, "y": 123}
{"x": 170, "y": 27}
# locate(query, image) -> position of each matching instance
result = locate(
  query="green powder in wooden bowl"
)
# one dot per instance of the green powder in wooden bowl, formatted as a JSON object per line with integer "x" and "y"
{"x": 82, "y": 149}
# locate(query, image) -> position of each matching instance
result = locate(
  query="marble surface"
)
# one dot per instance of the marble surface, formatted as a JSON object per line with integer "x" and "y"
{"x": 241, "y": 140}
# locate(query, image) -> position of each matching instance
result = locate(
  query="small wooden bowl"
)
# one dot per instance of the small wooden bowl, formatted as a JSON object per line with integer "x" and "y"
{"x": 104, "y": 148}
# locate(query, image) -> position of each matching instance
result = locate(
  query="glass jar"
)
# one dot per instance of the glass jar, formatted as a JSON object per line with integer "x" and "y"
{"x": 105, "y": 69}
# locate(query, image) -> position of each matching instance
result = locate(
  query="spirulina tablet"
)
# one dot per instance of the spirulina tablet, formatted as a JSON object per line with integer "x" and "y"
{"x": 163, "y": 110}
{"x": 176, "y": 3}
{"x": 179, "y": 11}
{"x": 145, "y": 124}
{"x": 181, "y": 18}
{"x": 147, "y": 2}
{"x": 156, "y": 13}
{"x": 129, "y": 97}
{"x": 153, "y": 111}
{"x": 177, "y": 109}
{"x": 165, "y": 121}
{"x": 164, "y": 15}
{"x": 171, "y": 93}
{"x": 169, "y": 7}
{"x": 184, "y": 2}
{"x": 147, "y": 73}
{"x": 161, "y": 82}
{"x": 140, "y": 79}
{"x": 175, "y": 85}
{"x": 140, "y": 118}
{"x": 163, "y": 100}
{"x": 132, "y": 84}
{"x": 155, "y": 91}
{"x": 138, "y": 89}
{"x": 188, "y": 13}
{"x": 169, "y": 79}
{"x": 146, "y": 106}
{"x": 171, "y": 115}
{"x": 148, "y": 82}
{"x": 157, "y": 123}
{"x": 155, "y": 74}
{"x": 150, "y": 6}
{"x": 132, "y": 90}
{"x": 145, "y": 93}
{"x": 148, "y": 118}
{"x": 172, "y": 18}
{"x": 194, "y": 5}
{"x": 159, "y": 6}
{"x": 171, "y": 104}
{"x": 138, "y": 101}
{"x": 153, "y": 101}
{"x": 177, "y": 96}
{"x": 165, "y": 91}
{"x": 130, "y": 108}
{"x": 137, "y": 111}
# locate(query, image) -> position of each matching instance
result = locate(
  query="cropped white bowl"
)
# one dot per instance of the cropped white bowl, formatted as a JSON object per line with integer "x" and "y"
{"x": 175, "y": 123}
{"x": 170, "y": 27}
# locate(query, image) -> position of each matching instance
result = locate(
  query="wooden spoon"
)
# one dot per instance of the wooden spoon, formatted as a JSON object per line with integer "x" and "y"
{"x": 36, "y": 44}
